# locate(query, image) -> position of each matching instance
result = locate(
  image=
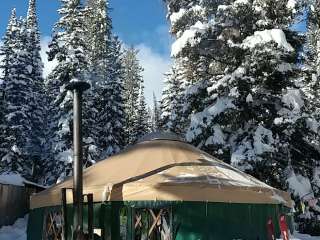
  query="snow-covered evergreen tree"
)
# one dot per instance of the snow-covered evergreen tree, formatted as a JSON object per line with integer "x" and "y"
{"x": 18, "y": 95}
{"x": 68, "y": 48}
{"x": 6, "y": 52}
{"x": 141, "y": 126}
{"x": 155, "y": 115}
{"x": 2, "y": 122}
{"x": 37, "y": 104}
{"x": 110, "y": 104}
{"x": 98, "y": 39}
{"x": 172, "y": 115}
{"x": 132, "y": 82}
{"x": 105, "y": 113}
{"x": 99, "y": 33}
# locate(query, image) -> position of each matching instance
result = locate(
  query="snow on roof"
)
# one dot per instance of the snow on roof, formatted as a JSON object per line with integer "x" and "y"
{"x": 16, "y": 180}
{"x": 266, "y": 36}
{"x": 35, "y": 184}
{"x": 166, "y": 170}
{"x": 12, "y": 179}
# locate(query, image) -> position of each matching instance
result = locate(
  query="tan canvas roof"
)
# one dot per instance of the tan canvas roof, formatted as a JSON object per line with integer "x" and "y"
{"x": 166, "y": 170}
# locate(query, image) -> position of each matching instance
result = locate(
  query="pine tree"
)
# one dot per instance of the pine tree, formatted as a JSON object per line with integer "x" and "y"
{"x": 155, "y": 115}
{"x": 98, "y": 39}
{"x": 68, "y": 47}
{"x": 6, "y": 52}
{"x": 37, "y": 104}
{"x": 99, "y": 33}
{"x": 18, "y": 92}
{"x": 2, "y": 123}
{"x": 111, "y": 104}
{"x": 132, "y": 82}
{"x": 141, "y": 126}
{"x": 172, "y": 103}
{"x": 105, "y": 113}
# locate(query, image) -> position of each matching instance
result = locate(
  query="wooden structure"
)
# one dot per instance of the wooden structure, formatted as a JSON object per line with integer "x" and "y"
{"x": 15, "y": 200}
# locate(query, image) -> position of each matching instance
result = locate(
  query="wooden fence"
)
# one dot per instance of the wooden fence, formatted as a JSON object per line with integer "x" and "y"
{"x": 14, "y": 202}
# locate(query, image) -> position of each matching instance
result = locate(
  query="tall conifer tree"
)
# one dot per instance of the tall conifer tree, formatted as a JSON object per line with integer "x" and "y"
{"x": 18, "y": 92}
{"x": 155, "y": 115}
{"x": 141, "y": 126}
{"x": 37, "y": 104}
{"x": 132, "y": 82}
{"x": 68, "y": 48}
{"x": 6, "y": 52}
{"x": 105, "y": 71}
{"x": 111, "y": 118}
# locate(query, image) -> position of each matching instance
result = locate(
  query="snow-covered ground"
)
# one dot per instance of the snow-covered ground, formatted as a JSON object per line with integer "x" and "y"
{"x": 15, "y": 232}
{"x": 18, "y": 232}
{"x": 299, "y": 236}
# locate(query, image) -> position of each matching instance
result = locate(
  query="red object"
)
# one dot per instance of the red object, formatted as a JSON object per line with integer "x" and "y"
{"x": 284, "y": 228}
{"x": 270, "y": 227}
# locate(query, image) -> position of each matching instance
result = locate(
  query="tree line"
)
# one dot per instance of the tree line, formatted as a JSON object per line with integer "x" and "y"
{"x": 36, "y": 112}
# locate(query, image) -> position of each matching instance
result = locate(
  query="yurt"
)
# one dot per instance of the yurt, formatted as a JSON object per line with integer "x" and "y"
{"x": 161, "y": 189}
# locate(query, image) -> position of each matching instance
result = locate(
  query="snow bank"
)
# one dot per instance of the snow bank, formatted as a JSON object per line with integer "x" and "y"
{"x": 15, "y": 232}
{"x": 188, "y": 37}
{"x": 299, "y": 236}
{"x": 12, "y": 179}
{"x": 266, "y": 36}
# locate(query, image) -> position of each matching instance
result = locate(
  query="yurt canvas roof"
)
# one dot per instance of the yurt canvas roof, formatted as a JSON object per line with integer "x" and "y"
{"x": 166, "y": 170}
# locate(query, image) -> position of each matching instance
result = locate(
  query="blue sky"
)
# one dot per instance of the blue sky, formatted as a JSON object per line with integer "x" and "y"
{"x": 141, "y": 23}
